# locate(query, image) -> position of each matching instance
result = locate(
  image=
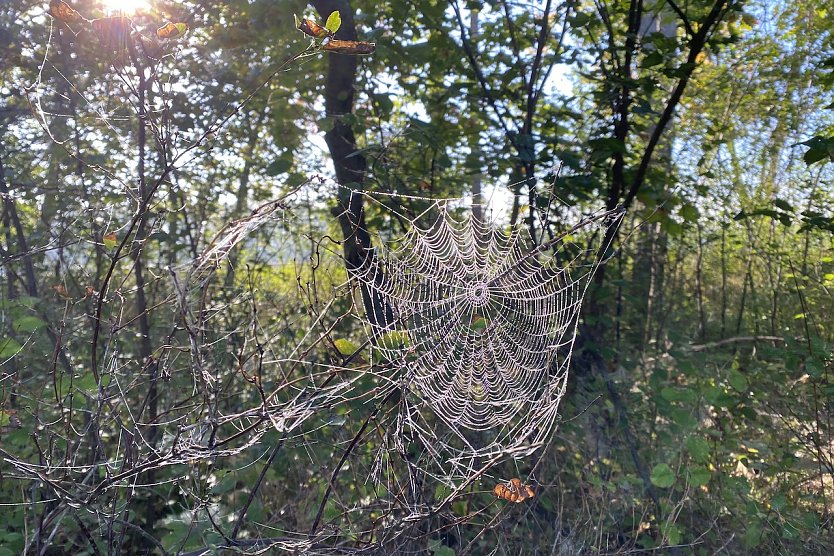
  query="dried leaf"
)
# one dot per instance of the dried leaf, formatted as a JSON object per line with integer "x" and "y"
{"x": 513, "y": 491}
{"x": 62, "y": 11}
{"x": 61, "y": 290}
{"x": 357, "y": 48}
{"x": 172, "y": 30}
{"x": 110, "y": 240}
{"x": 313, "y": 29}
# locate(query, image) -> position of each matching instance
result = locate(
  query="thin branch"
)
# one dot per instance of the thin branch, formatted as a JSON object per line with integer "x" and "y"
{"x": 696, "y": 45}
{"x": 735, "y": 340}
{"x": 684, "y": 19}
{"x": 467, "y": 48}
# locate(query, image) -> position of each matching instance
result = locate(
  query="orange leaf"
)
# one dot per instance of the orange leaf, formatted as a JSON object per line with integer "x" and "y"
{"x": 513, "y": 491}
{"x": 172, "y": 30}
{"x": 61, "y": 290}
{"x": 110, "y": 240}
{"x": 313, "y": 29}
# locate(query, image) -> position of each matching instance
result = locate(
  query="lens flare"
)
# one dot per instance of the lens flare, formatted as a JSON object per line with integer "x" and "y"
{"x": 126, "y": 7}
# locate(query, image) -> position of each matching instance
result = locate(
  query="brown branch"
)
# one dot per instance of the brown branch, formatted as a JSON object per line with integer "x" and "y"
{"x": 735, "y": 340}
{"x": 684, "y": 19}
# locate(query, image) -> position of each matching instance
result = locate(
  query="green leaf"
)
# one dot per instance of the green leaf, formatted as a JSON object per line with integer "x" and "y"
{"x": 699, "y": 476}
{"x": 737, "y": 380}
{"x": 87, "y": 383}
{"x": 698, "y": 448}
{"x": 607, "y": 146}
{"x": 672, "y": 532}
{"x": 278, "y": 166}
{"x": 225, "y": 485}
{"x": 385, "y": 104}
{"x": 684, "y": 418}
{"x": 678, "y": 395}
{"x": 395, "y": 339}
{"x": 181, "y": 27}
{"x": 654, "y": 58}
{"x": 579, "y": 19}
{"x": 689, "y": 212}
{"x": 819, "y": 148}
{"x": 479, "y": 324}
{"x": 28, "y": 323}
{"x": 438, "y": 549}
{"x": 9, "y": 347}
{"x": 326, "y": 123}
{"x": 752, "y": 536}
{"x": 334, "y": 21}
{"x": 662, "y": 476}
{"x": 814, "y": 367}
{"x": 345, "y": 347}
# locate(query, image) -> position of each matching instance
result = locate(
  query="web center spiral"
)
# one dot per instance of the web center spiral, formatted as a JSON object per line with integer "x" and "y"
{"x": 478, "y": 294}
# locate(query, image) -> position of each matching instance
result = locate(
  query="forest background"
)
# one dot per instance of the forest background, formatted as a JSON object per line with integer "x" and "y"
{"x": 699, "y": 407}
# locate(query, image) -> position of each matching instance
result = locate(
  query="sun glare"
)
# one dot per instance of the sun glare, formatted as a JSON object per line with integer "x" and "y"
{"x": 126, "y": 7}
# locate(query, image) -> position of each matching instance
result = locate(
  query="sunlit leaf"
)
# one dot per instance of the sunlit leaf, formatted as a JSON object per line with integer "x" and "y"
{"x": 345, "y": 347}
{"x": 334, "y": 21}
{"x": 172, "y": 30}
{"x": 672, "y": 532}
{"x": 110, "y": 240}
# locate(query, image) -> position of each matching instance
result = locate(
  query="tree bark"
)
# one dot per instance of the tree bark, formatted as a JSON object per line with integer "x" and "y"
{"x": 339, "y": 93}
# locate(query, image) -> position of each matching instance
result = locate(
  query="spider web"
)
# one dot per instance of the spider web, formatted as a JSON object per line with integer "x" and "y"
{"x": 477, "y": 329}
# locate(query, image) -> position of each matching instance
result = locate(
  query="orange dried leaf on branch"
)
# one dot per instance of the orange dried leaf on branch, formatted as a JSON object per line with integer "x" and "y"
{"x": 312, "y": 29}
{"x": 172, "y": 30}
{"x": 513, "y": 491}
{"x": 61, "y": 290}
